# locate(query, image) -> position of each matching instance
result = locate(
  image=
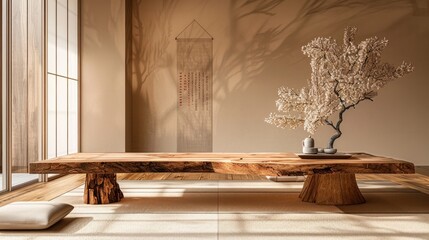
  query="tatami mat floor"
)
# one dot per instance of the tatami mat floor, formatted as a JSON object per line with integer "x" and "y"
{"x": 181, "y": 206}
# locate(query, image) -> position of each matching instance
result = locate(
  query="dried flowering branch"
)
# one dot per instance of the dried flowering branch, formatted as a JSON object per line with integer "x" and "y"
{"x": 342, "y": 76}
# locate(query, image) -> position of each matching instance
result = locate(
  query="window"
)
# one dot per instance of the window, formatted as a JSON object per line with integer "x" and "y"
{"x": 62, "y": 77}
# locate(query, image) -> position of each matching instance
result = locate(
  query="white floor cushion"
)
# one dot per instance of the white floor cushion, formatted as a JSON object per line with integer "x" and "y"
{"x": 32, "y": 215}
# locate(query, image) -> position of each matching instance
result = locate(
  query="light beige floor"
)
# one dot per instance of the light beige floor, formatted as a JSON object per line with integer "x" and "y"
{"x": 239, "y": 210}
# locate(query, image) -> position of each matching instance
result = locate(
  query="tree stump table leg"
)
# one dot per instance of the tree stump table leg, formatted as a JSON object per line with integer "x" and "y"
{"x": 101, "y": 189}
{"x": 331, "y": 189}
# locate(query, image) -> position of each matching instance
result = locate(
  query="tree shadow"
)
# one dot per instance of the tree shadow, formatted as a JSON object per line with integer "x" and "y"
{"x": 149, "y": 42}
{"x": 243, "y": 64}
{"x": 271, "y": 50}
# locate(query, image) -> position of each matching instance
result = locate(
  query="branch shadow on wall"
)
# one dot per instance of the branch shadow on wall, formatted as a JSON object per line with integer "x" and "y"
{"x": 241, "y": 67}
{"x": 270, "y": 47}
{"x": 150, "y": 40}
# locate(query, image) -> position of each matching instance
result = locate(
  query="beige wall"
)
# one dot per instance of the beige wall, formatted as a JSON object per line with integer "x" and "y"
{"x": 251, "y": 60}
{"x": 103, "y": 76}
{"x": 255, "y": 53}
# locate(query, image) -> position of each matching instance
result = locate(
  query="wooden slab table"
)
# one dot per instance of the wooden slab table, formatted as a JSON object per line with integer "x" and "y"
{"x": 329, "y": 181}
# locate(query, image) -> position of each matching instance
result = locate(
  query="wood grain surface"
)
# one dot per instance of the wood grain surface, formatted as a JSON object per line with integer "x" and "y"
{"x": 331, "y": 189}
{"x": 101, "y": 189}
{"x": 267, "y": 164}
{"x": 19, "y": 83}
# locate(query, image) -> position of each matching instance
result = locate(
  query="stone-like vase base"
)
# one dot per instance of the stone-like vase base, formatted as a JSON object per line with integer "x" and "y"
{"x": 324, "y": 156}
{"x": 330, "y": 150}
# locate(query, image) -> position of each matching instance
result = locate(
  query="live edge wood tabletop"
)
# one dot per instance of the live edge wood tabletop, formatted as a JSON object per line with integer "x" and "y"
{"x": 329, "y": 181}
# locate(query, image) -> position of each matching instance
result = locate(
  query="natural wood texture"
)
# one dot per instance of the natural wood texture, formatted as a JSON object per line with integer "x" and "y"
{"x": 19, "y": 81}
{"x": 330, "y": 181}
{"x": 26, "y": 81}
{"x": 35, "y": 75}
{"x": 43, "y": 191}
{"x": 19, "y": 169}
{"x": 265, "y": 164}
{"x": 101, "y": 189}
{"x": 188, "y": 176}
{"x": 331, "y": 189}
